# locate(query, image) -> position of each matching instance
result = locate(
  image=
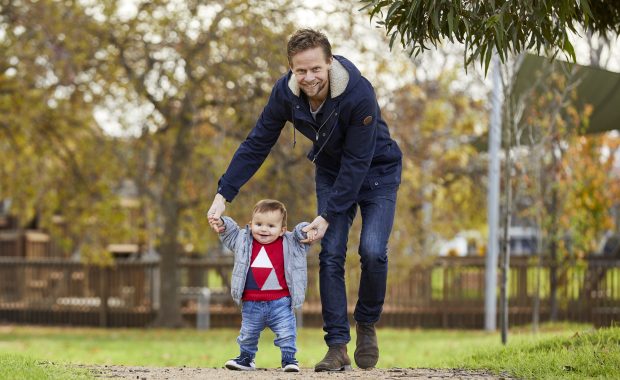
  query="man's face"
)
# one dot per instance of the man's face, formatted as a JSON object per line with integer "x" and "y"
{"x": 311, "y": 69}
{"x": 267, "y": 226}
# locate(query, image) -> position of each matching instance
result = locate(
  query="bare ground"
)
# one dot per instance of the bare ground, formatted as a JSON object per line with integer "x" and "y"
{"x": 188, "y": 373}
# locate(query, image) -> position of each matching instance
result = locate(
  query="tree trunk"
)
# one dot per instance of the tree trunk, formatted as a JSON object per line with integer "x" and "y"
{"x": 507, "y": 217}
{"x": 169, "y": 303}
{"x": 553, "y": 234}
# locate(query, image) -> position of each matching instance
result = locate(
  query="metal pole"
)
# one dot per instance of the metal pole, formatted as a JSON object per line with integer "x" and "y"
{"x": 203, "y": 316}
{"x": 490, "y": 299}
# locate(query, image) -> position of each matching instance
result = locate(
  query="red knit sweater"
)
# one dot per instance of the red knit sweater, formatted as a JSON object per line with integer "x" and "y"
{"x": 265, "y": 280}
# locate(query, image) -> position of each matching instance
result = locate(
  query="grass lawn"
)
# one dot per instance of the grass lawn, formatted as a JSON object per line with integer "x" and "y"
{"x": 557, "y": 351}
{"x": 13, "y": 367}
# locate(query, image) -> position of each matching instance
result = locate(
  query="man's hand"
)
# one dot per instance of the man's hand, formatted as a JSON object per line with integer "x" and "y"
{"x": 215, "y": 213}
{"x": 315, "y": 230}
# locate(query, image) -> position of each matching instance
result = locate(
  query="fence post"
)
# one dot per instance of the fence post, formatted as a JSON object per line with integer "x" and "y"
{"x": 299, "y": 317}
{"x": 103, "y": 295}
{"x": 203, "y": 312}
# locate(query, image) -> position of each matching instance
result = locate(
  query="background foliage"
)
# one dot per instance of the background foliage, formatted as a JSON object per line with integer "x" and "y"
{"x": 117, "y": 119}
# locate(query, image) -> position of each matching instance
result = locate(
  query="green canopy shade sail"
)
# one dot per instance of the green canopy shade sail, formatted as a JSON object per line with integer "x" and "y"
{"x": 597, "y": 87}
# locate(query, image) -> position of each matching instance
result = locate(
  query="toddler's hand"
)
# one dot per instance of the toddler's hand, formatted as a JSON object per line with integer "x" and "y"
{"x": 215, "y": 212}
{"x": 217, "y": 224}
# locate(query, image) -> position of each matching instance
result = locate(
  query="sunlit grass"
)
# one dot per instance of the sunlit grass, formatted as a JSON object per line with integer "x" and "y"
{"x": 558, "y": 350}
{"x": 588, "y": 354}
{"x": 16, "y": 367}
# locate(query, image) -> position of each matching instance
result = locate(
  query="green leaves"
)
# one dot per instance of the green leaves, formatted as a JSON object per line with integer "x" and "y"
{"x": 506, "y": 26}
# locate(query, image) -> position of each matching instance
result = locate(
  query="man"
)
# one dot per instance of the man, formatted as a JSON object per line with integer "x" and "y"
{"x": 357, "y": 165}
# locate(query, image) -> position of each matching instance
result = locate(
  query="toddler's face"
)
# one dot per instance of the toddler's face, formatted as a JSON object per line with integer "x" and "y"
{"x": 267, "y": 226}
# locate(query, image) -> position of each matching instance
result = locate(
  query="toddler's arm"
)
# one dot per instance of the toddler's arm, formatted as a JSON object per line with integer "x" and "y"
{"x": 230, "y": 231}
{"x": 300, "y": 235}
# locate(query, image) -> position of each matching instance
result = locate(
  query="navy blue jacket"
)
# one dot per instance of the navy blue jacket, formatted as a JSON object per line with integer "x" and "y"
{"x": 351, "y": 140}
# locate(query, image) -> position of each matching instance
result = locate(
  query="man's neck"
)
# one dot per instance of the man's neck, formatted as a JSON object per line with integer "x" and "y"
{"x": 315, "y": 104}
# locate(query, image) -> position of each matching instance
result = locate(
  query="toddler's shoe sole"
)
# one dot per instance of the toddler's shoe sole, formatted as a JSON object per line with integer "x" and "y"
{"x": 291, "y": 368}
{"x": 233, "y": 365}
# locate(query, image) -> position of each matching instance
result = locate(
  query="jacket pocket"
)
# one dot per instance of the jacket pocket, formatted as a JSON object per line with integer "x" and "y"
{"x": 383, "y": 181}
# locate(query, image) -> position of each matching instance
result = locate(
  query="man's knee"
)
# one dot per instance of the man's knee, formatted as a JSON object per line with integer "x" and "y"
{"x": 373, "y": 257}
{"x": 332, "y": 256}
{"x": 331, "y": 264}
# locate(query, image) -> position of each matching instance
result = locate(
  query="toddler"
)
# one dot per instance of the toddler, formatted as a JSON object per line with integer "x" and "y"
{"x": 269, "y": 280}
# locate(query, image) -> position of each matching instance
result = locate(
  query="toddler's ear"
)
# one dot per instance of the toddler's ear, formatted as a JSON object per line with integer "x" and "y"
{"x": 283, "y": 231}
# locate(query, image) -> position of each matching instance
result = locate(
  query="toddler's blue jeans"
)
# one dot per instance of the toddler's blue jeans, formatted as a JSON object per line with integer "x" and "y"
{"x": 278, "y": 316}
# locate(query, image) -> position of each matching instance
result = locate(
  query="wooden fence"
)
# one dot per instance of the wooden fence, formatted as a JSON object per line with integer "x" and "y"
{"x": 446, "y": 292}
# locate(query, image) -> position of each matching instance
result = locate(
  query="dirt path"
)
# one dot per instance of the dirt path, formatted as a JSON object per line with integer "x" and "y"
{"x": 188, "y": 373}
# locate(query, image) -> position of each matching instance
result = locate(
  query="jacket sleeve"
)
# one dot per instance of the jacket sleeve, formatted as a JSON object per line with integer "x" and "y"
{"x": 230, "y": 238}
{"x": 357, "y": 152}
{"x": 299, "y": 235}
{"x": 254, "y": 149}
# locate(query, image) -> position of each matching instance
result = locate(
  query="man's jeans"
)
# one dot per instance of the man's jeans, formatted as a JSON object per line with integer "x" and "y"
{"x": 278, "y": 316}
{"x": 377, "y": 207}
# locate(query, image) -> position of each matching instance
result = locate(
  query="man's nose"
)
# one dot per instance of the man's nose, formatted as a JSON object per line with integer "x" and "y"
{"x": 310, "y": 77}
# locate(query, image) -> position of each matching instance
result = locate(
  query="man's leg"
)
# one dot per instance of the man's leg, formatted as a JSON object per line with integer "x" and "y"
{"x": 331, "y": 281}
{"x": 377, "y": 220}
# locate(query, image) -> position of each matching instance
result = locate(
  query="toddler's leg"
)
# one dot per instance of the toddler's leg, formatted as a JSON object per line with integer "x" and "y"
{"x": 252, "y": 323}
{"x": 282, "y": 323}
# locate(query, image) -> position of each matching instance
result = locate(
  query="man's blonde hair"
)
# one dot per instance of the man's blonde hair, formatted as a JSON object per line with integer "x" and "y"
{"x": 268, "y": 205}
{"x": 305, "y": 39}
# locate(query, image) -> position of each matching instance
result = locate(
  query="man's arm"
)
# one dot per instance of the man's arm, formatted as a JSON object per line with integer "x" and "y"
{"x": 357, "y": 153}
{"x": 254, "y": 149}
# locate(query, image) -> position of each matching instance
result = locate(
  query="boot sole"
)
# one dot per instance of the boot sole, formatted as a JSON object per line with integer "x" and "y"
{"x": 341, "y": 369}
{"x": 365, "y": 368}
{"x": 362, "y": 365}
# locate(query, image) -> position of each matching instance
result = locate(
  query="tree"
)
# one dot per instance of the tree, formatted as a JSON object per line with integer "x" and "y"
{"x": 592, "y": 190}
{"x": 436, "y": 126}
{"x": 55, "y": 159}
{"x": 484, "y": 26}
{"x": 192, "y": 76}
{"x": 201, "y": 76}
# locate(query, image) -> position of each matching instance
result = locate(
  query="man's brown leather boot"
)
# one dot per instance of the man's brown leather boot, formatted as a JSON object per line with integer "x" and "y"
{"x": 336, "y": 359}
{"x": 366, "y": 347}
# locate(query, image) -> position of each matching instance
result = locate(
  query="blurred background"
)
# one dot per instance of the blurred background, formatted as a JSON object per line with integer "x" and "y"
{"x": 118, "y": 118}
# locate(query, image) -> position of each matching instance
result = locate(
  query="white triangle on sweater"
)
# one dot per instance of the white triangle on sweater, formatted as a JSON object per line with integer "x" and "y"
{"x": 262, "y": 260}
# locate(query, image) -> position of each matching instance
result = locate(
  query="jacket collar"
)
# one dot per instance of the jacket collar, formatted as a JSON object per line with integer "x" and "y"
{"x": 338, "y": 80}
